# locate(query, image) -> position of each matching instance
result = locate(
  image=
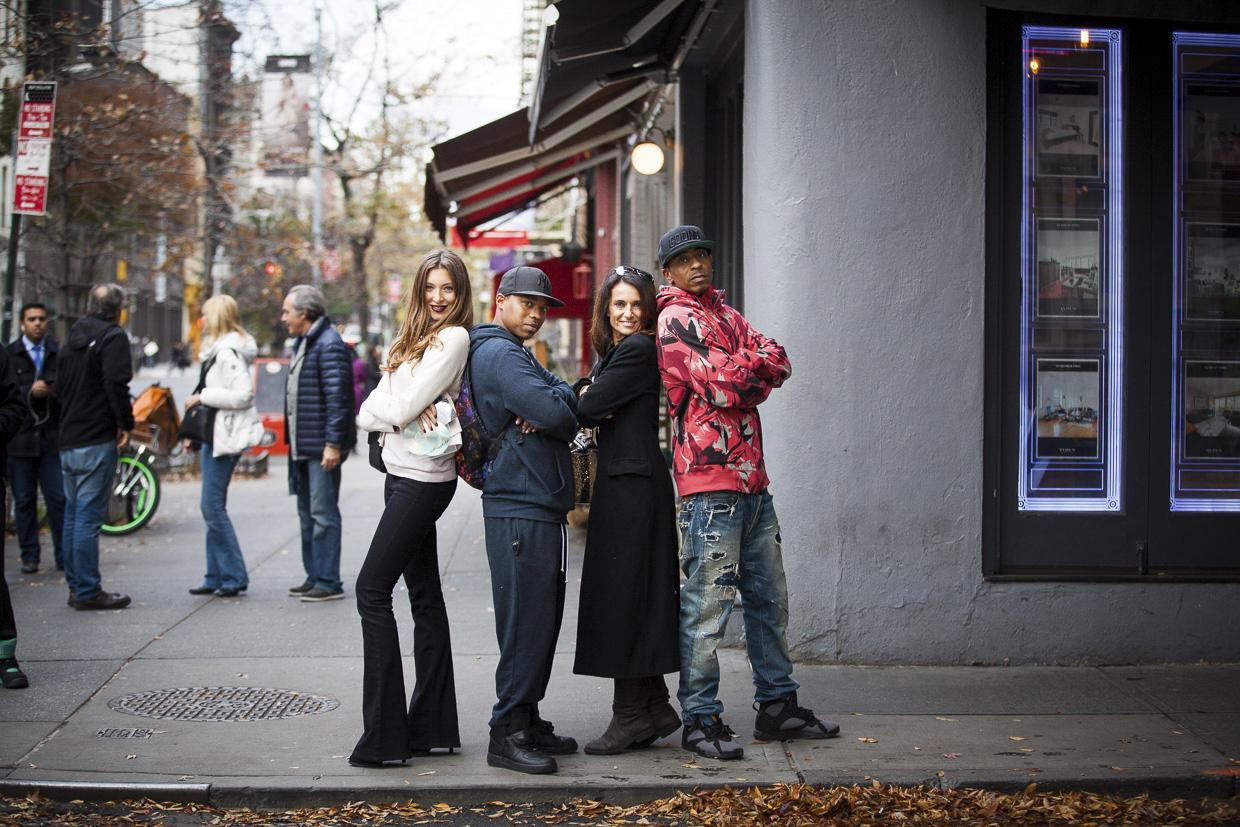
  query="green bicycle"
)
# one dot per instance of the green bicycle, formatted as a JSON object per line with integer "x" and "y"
{"x": 135, "y": 492}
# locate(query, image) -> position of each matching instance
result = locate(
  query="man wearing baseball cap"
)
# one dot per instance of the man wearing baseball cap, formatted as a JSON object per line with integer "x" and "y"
{"x": 524, "y": 502}
{"x": 717, "y": 369}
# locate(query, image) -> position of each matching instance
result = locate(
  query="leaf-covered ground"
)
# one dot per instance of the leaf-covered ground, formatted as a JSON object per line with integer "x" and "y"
{"x": 782, "y": 804}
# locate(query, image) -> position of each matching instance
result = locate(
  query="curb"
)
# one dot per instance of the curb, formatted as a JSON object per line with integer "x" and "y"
{"x": 267, "y": 797}
{"x": 107, "y": 791}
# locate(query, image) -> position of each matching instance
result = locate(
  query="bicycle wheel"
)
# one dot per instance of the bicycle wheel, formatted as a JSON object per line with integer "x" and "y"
{"x": 135, "y": 496}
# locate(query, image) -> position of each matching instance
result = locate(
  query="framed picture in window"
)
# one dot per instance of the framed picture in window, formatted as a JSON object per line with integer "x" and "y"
{"x": 1212, "y": 131}
{"x": 1212, "y": 272}
{"x": 1068, "y": 139}
{"x": 1068, "y": 394}
{"x": 1068, "y": 268}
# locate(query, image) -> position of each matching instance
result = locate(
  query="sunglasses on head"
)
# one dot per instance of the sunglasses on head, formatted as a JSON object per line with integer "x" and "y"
{"x": 626, "y": 270}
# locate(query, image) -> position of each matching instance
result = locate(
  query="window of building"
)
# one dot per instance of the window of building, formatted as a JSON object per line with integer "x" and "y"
{"x": 1113, "y": 299}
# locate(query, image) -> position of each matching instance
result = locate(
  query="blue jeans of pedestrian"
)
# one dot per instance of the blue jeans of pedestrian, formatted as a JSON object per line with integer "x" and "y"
{"x": 27, "y": 475}
{"x": 225, "y": 565}
{"x": 730, "y": 541}
{"x": 318, "y": 507}
{"x": 88, "y": 473}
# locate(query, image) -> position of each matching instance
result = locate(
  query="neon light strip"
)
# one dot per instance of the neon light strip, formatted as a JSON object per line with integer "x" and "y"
{"x": 1197, "y": 504}
{"x": 1111, "y": 426}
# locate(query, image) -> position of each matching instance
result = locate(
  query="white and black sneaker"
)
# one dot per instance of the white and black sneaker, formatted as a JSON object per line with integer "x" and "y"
{"x": 298, "y": 591}
{"x": 784, "y": 720}
{"x": 710, "y": 737}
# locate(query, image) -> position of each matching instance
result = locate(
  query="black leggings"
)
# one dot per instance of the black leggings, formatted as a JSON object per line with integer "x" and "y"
{"x": 404, "y": 545}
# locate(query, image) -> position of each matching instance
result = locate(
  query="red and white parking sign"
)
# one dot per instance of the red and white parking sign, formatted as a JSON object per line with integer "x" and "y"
{"x": 32, "y": 161}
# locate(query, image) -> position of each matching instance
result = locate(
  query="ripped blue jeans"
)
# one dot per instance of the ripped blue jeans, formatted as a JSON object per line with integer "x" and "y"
{"x": 730, "y": 540}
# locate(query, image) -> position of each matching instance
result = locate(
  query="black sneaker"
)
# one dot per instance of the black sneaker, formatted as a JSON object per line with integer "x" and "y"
{"x": 12, "y": 675}
{"x": 519, "y": 751}
{"x": 321, "y": 595}
{"x": 710, "y": 737}
{"x": 543, "y": 733}
{"x": 298, "y": 591}
{"x": 784, "y": 720}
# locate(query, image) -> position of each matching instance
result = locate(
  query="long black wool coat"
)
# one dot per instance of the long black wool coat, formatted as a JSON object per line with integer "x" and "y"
{"x": 630, "y": 590}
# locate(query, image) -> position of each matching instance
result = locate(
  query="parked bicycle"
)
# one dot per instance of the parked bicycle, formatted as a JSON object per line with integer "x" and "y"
{"x": 136, "y": 485}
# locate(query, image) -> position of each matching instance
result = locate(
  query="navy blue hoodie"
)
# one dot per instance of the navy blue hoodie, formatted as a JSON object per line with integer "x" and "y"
{"x": 533, "y": 476}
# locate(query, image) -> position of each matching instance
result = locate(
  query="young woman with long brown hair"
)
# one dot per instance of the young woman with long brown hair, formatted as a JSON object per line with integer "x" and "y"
{"x": 627, "y": 617}
{"x": 412, "y": 407}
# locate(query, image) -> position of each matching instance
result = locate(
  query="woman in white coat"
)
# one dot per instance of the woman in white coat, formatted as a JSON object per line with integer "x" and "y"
{"x": 412, "y": 407}
{"x": 227, "y": 353}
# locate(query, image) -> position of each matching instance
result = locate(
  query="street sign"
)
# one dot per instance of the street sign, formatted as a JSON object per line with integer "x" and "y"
{"x": 32, "y": 162}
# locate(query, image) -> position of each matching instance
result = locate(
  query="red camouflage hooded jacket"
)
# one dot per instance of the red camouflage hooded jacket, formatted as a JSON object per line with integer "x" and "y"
{"x": 717, "y": 369}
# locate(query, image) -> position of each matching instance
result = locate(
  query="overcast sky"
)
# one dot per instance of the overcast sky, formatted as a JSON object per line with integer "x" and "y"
{"x": 475, "y": 42}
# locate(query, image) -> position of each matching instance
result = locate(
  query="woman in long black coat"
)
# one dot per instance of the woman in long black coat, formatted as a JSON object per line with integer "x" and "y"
{"x": 627, "y": 621}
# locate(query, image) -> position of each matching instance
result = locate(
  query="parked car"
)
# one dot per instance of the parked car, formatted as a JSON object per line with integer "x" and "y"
{"x": 269, "y": 378}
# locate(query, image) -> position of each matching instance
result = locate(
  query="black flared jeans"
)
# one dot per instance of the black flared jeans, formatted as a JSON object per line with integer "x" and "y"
{"x": 405, "y": 545}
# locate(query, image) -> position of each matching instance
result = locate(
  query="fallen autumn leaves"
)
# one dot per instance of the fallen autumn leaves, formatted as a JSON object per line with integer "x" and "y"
{"x": 782, "y": 804}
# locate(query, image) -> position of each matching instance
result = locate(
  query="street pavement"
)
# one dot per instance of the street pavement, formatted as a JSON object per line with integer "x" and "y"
{"x": 1172, "y": 730}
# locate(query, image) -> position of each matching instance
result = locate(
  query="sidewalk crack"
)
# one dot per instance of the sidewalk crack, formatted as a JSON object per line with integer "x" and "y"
{"x": 793, "y": 764}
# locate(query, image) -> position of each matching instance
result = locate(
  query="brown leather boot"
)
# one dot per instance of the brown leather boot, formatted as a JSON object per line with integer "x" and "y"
{"x": 663, "y": 718}
{"x": 629, "y": 723}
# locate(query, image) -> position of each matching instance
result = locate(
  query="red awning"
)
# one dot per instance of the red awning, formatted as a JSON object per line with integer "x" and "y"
{"x": 494, "y": 170}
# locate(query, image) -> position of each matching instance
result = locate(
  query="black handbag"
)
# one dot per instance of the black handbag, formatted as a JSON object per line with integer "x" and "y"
{"x": 198, "y": 424}
{"x": 376, "y": 452}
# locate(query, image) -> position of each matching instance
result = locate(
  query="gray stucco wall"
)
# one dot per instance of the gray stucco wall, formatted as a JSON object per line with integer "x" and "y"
{"x": 864, "y": 241}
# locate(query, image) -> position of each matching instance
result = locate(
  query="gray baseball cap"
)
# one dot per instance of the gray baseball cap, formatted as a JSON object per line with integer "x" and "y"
{"x": 527, "y": 281}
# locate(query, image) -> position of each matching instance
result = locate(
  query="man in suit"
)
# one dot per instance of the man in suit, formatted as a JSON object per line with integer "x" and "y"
{"x": 34, "y": 455}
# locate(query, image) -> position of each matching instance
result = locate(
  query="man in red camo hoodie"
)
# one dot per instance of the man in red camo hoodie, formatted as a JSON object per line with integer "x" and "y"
{"x": 717, "y": 369}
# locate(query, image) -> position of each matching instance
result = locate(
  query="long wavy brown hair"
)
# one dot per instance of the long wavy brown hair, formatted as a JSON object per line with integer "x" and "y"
{"x": 419, "y": 330}
{"x": 600, "y": 323}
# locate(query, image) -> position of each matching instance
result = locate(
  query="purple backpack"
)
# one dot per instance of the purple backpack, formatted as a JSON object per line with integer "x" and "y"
{"x": 478, "y": 448}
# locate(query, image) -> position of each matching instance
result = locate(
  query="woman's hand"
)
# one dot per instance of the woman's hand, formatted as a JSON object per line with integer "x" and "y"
{"x": 428, "y": 420}
{"x": 192, "y": 400}
{"x": 526, "y": 428}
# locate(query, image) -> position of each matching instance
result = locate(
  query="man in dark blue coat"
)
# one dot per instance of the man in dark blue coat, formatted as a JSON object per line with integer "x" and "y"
{"x": 34, "y": 453}
{"x": 524, "y": 501}
{"x": 318, "y": 412}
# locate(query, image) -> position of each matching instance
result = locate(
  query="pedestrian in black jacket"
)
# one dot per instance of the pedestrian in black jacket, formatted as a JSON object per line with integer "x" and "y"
{"x": 630, "y": 589}
{"x": 318, "y": 412}
{"x": 12, "y": 412}
{"x": 34, "y": 453}
{"x": 95, "y": 420}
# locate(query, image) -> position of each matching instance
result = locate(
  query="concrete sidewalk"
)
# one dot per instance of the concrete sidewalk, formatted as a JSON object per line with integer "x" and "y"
{"x": 1171, "y": 730}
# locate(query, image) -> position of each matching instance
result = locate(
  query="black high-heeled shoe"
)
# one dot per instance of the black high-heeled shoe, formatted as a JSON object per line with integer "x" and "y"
{"x": 376, "y": 765}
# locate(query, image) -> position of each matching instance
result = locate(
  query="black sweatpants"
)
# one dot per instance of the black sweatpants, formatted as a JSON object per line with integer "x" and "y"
{"x": 528, "y": 559}
{"x": 405, "y": 545}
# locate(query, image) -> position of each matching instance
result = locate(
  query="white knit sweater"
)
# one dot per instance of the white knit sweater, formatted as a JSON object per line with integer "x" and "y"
{"x": 401, "y": 395}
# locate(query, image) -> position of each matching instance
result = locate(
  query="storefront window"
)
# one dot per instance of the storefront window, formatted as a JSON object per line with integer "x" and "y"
{"x": 1205, "y": 410}
{"x": 1113, "y": 299}
{"x": 1072, "y": 326}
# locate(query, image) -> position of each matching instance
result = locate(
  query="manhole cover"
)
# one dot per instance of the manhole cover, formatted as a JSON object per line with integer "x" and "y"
{"x": 222, "y": 703}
